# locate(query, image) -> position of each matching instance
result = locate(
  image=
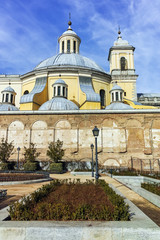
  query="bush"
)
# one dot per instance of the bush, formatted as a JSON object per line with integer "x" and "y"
{"x": 30, "y": 153}
{"x": 31, "y": 166}
{"x": 56, "y": 167}
{"x": 7, "y": 166}
{"x": 6, "y": 150}
{"x": 154, "y": 188}
{"x": 55, "y": 151}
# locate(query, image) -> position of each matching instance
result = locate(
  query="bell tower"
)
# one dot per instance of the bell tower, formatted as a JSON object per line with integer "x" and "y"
{"x": 121, "y": 58}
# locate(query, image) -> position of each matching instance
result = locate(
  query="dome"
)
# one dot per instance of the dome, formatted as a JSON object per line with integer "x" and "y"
{"x": 71, "y": 59}
{"x": 60, "y": 81}
{"x": 8, "y": 89}
{"x": 118, "y": 106}
{"x": 116, "y": 87}
{"x": 69, "y": 32}
{"x": 8, "y": 107}
{"x": 58, "y": 104}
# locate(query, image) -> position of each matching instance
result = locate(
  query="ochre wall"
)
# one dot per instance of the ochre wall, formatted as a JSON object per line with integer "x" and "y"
{"x": 122, "y": 137}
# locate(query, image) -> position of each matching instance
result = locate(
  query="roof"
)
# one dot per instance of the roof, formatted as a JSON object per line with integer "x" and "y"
{"x": 60, "y": 81}
{"x": 118, "y": 106}
{"x": 116, "y": 87}
{"x": 8, "y": 107}
{"x": 8, "y": 89}
{"x": 69, "y": 32}
{"x": 69, "y": 59}
{"x": 58, "y": 104}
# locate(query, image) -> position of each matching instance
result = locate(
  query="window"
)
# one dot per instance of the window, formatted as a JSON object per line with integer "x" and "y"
{"x": 3, "y": 98}
{"x": 54, "y": 91}
{"x": 7, "y": 97}
{"x": 124, "y": 93}
{"x": 112, "y": 97}
{"x": 116, "y": 96}
{"x": 63, "y": 91}
{"x": 11, "y": 98}
{"x": 123, "y": 63}
{"x": 59, "y": 90}
{"x": 102, "y": 97}
{"x": 25, "y": 92}
{"x": 120, "y": 96}
{"x": 68, "y": 46}
{"x": 63, "y": 47}
{"x": 74, "y": 46}
{"x": 66, "y": 92}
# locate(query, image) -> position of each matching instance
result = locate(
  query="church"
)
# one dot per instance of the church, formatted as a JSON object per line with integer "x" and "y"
{"x": 66, "y": 95}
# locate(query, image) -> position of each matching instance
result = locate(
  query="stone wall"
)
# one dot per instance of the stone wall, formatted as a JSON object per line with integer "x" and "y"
{"x": 125, "y": 137}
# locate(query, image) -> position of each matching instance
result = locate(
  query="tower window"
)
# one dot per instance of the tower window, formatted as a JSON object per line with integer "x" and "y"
{"x": 63, "y": 91}
{"x": 59, "y": 90}
{"x": 123, "y": 63}
{"x": 7, "y": 97}
{"x": 11, "y": 98}
{"x": 63, "y": 47}
{"x": 102, "y": 97}
{"x": 74, "y": 46}
{"x": 68, "y": 46}
{"x": 116, "y": 96}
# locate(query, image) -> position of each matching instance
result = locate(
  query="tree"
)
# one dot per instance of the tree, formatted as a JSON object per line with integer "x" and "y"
{"x": 30, "y": 153}
{"x": 55, "y": 151}
{"x": 6, "y": 150}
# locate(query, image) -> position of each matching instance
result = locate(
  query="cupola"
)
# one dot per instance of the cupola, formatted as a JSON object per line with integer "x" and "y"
{"x": 116, "y": 93}
{"x": 69, "y": 41}
{"x": 8, "y": 95}
{"x": 60, "y": 89}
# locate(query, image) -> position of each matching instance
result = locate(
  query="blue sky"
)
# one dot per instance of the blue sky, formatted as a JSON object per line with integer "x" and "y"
{"x": 29, "y": 30}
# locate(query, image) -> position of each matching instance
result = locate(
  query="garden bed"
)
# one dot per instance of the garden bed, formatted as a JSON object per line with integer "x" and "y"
{"x": 153, "y": 188}
{"x": 63, "y": 200}
{"x": 11, "y": 177}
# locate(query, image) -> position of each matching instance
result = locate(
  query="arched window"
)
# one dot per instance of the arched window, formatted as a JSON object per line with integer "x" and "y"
{"x": 68, "y": 46}
{"x": 25, "y": 92}
{"x": 74, "y": 46}
{"x": 7, "y": 95}
{"x": 63, "y": 91}
{"x": 102, "y": 97}
{"x": 123, "y": 63}
{"x": 63, "y": 47}
{"x": 59, "y": 91}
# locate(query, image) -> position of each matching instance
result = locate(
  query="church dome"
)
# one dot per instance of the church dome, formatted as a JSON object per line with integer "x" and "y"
{"x": 71, "y": 59}
{"x": 118, "y": 106}
{"x": 58, "y": 104}
{"x": 8, "y": 107}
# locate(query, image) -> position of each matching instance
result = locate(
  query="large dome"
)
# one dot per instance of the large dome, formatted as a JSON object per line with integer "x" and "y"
{"x": 71, "y": 59}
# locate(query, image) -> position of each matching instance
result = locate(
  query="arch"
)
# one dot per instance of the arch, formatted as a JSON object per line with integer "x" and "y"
{"x": 133, "y": 123}
{"x": 26, "y": 92}
{"x": 16, "y": 125}
{"x": 102, "y": 98}
{"x": 85, "y": 124}
{"x": 111, "y": 162}
{"x": 39, "y": 125}
{"x": 123, "y": 63}
{"x": 63, "y": 124}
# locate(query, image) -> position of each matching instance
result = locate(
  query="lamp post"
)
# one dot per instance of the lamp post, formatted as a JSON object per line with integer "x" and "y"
{"x": 92, "y": 147}
{"x": 95, "y": 134}
{"x": 18, "y": 149}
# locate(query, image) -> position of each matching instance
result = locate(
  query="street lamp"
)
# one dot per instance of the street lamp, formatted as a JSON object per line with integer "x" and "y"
{"x": 92, "y": 147}
{"x": 95, "y": 134}
{"x": 18, "y": 149}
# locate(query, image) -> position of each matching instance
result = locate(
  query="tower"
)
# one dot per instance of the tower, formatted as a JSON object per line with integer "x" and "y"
{"x": 121, "y": 58}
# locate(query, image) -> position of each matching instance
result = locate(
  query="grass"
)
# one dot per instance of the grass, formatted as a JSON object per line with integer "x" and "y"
{"x": 66, "y": 200}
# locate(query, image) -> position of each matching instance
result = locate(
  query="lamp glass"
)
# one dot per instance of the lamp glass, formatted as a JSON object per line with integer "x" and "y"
{"x": 95, "y": 131}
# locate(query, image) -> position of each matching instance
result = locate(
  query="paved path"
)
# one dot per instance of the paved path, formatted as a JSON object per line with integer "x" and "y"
{"x": 15, "y": 192}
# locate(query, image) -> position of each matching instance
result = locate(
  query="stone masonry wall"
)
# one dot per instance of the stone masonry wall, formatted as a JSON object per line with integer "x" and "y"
{"x": 123, "y": 138}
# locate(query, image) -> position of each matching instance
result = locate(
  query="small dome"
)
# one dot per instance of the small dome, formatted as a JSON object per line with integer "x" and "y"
{"x": 8, "y": 89}
{"x": 8, "y": 107}
{"x": 116, "y": 87}
{"x": 70, "y": 32}
{"x": 60, "y": 81}
{"x": 58, "y": 104}
{"x": 118, "y": 106}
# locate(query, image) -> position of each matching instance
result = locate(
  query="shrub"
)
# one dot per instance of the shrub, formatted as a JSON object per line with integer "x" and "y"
{"x": 55, "y": 151}
{"x": 31, "y": 166}
{"x": 56, "y": 167}
{"x": 30, "y": 153}
{"x": 6, "y": 150}
{"x": 154, "y": 188}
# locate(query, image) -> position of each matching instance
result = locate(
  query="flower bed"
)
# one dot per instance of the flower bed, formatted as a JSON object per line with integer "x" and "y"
{"x": 11, "y": 177}
{"x": 154, "y": 188}
{"x": 63, "y": 200}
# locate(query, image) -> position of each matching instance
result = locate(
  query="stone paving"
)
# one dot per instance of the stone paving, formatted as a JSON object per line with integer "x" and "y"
{"x": 15, "y": 192}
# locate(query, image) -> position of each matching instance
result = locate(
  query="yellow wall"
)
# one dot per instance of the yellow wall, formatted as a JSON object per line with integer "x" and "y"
{"x": 28, "y": 86}
{"x": 90, "y": 105}
{"x": 116, "y": 56}
{"x": 98, "y": 85}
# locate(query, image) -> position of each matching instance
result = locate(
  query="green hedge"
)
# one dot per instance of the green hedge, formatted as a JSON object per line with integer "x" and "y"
{"x": 7, "y": 166}
{"x": 31, "y": 166}
{"x": 56, "y": 167}
{"x": 154, "y": 188}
